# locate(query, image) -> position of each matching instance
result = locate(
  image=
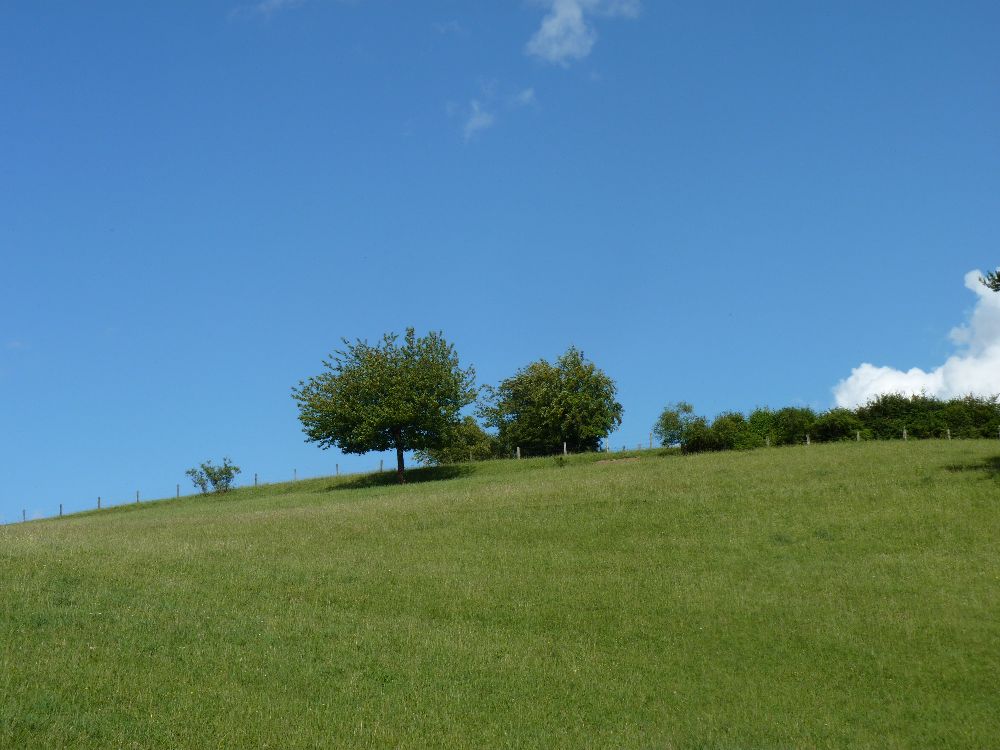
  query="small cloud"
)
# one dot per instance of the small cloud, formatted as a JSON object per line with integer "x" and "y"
{"x": 524, "y": 98}
{"x": 449, "y": 27}
{"x": 973, "y": 369}
{"x": 479, "y": 114}
{"x": 264, "y": 8}
{"x": 478, "y": 119}
{"x": 566, "y": 33}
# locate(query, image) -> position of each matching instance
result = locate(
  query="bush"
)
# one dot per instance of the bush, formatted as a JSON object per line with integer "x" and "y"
{"x": 698, "y": 437}
{"x": 733, "y": 432}
{"x": 792, "y": 424}
{"x": 761, "y": 423}
{"x": 467, "y": 441}
{"x": 838, "y": 424}
{"x": 220, "y": 478}
{"x": 669, "y": 428}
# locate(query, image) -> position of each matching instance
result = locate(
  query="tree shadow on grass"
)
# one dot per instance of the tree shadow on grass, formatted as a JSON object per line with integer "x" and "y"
{"x": 413, "y": 476}
{"x": 989, "y": 466}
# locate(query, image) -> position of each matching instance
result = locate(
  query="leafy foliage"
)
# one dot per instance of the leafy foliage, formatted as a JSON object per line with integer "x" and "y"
{"x": 544, "y": 405}
{"x": 467, "y": 441}
{"x": 219, "y": 478}
{"x": 405, "y": 395}
{"x": 733, "y": 432}
{"x": 992, "y": 280}
{"x": 669, "y": 428}
{"x": 882, "y": 418}
{"x": 839, "y": 424}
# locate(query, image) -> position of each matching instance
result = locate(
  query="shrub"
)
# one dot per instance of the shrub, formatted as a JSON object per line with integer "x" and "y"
{"x": 220, "y": 478}
{"x": 467, "y": 441}
{"x": 733, "y": 432}
{"x": 838, "y": 424}
{"x": 792, "y": 424}
{"x": 761, "y": 423}
{"x": 698, "y": 437}
{"x": 669, "y": 428}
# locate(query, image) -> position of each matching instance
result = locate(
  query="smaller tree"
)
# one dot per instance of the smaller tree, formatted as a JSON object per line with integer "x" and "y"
{"x": 669, "y": 428}
{"x": 219, "y": 478}
{"x": 545, "y": 404}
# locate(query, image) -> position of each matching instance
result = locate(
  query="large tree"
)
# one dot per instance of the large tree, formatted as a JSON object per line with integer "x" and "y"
{"x": 404, "y": 395}
{"x": 545, "y": 405}
{"x": 992, "y": 280}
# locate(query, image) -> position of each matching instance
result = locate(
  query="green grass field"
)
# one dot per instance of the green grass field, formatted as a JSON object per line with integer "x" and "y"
{"x": 830, "y": 596}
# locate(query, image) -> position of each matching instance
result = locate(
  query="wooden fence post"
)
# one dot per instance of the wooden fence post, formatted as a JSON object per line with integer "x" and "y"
{"x": 565, "y": 452}
{"x": 807, "y": 439}
{"x": 137, "y": 497}
{"x": 519, "y": 453}
{"x": 60, "y": 510}
{"x": 98, "y": 502}
{"x": 178, "y": 491}
{"x": 904, "y": 434}
{"x": 949, "y": 433}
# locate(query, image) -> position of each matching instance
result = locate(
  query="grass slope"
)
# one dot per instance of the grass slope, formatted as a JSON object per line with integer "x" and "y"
{"x": 829, "y": 596}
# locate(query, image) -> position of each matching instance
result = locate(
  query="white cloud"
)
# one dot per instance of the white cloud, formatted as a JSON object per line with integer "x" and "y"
{"x": 973, "y": 369}
{"x": 478, "y": 119}
{"x": 264, "y": 8}
{"x": 448, "y": 27}
{"x": 523, "y": 98}
{"x": 566, "y": 33}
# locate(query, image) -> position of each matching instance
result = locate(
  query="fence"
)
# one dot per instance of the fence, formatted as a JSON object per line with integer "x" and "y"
{"x": 381, "y": 468}
{"x": 103, "y": 504}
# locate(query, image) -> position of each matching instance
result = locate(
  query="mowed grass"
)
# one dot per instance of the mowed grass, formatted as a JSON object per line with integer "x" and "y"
{"x": 826, "y": 596}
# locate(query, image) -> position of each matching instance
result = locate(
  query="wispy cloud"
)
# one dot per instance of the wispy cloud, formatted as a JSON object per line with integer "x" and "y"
{"x": 477, "y": 120}
{"x": 481, "y": 112}
{"x": 264, "y": 8}
{"x": 448, "y": 27}
{"x": 973, "y": 369}
{"x": 567, "y": 32}
{"x": 524, "y": 98}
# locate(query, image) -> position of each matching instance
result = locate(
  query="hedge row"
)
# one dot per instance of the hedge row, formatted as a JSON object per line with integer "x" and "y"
{"x": 883, "y": 418}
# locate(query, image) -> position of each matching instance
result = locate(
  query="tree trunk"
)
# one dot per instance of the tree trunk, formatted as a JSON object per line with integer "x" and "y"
{"x": 399, "y": 457}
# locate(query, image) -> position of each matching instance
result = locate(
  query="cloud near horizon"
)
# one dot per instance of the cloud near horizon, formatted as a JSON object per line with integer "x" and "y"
{"x": 567, "y": 33}
{"x": 974, "y": 369}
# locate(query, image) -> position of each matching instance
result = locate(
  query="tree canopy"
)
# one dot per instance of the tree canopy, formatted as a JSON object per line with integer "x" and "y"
{"x": 402, "y": 395}
{"x": 544, "y": 405}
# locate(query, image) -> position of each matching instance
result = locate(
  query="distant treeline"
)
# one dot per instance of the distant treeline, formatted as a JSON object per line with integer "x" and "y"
{"x": 884, "y": 418}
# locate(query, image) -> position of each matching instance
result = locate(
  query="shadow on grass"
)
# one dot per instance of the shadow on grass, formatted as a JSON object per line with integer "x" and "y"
{"x": 990, "y": 466}
{"x": 413, "y": 476}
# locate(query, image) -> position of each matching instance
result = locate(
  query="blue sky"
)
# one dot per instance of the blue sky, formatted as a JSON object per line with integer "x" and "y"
{"x": 731, "y": 203}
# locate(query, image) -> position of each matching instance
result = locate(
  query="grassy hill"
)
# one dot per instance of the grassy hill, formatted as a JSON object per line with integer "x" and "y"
{"x": 829, "y": 596}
